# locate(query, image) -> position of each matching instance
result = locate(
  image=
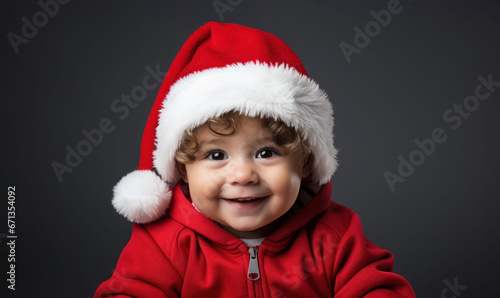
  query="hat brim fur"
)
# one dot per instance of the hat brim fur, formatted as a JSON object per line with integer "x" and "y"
{"x": 253, "y": 89}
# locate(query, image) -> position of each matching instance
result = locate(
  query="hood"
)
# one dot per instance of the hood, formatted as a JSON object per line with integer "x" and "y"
{"x": 183, "y": 211}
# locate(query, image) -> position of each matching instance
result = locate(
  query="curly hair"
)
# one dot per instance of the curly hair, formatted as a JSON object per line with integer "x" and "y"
{"x": 287, "y": 138}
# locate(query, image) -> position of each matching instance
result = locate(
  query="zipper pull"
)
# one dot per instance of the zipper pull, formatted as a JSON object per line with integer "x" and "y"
{"x": 253, "y": 266}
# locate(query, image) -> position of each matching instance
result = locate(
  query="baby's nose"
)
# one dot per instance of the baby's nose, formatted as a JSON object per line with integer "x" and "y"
{"x": 242, "y": 172}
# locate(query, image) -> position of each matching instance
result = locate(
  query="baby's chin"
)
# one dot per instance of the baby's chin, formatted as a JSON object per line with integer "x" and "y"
{"x": 242, "y": 230}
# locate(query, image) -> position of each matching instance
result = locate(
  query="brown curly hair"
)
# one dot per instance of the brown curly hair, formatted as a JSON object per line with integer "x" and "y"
{"x": 287, "y": 138}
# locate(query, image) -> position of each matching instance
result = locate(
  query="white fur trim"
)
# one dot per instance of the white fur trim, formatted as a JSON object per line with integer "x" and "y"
{"x": 141, "y": 196}
{"x": 253, "y": 89}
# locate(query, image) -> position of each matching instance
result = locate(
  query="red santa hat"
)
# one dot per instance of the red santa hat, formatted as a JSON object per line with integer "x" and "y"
{"x": 221, "y": 68}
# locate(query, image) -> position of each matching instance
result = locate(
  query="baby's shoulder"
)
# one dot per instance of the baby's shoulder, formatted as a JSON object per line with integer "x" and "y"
{"x": 337, "y": 218}
{"x": 168, "y": 233}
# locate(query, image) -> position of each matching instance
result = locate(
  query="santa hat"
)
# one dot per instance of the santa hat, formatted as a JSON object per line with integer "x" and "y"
{"x": 223, "y": 68}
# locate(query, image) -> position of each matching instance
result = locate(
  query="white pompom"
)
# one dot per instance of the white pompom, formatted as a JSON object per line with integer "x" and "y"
{"x": 141, "y": 196}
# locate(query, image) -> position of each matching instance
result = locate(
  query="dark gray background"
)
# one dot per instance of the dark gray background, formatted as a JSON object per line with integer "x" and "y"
{"x": 441, "y": 223}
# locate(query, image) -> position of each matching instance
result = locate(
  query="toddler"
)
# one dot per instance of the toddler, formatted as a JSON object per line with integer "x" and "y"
{"x": 244, "y": 138}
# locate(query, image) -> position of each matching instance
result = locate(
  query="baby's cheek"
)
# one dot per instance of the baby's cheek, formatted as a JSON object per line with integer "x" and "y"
{"x": 209, "y": 188}
{"x": 289, "y": 179}
{"x": 214, "y": 184}
{"x": 293, "y": 189}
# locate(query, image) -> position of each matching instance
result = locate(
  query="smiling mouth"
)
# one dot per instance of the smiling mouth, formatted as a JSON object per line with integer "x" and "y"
{"x": 246, "y": 199}
{"x": 249, "y": 199}
{"x": 245, "y": 203}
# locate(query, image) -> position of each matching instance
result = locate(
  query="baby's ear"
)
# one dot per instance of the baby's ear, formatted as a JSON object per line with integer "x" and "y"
{"x": 308, "y": 165}
{"x": 181, "y": 169}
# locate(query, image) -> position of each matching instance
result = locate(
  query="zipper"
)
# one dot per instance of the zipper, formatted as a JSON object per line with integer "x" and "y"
{"x": 253, "y": 266}
{"x": 254, "y": 271}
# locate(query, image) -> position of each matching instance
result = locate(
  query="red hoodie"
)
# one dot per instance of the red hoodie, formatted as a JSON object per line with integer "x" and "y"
{"x": 319, "y": 252}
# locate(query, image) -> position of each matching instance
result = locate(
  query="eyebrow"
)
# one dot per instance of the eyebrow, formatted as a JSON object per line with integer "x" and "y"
{"x": 207, "y": 142}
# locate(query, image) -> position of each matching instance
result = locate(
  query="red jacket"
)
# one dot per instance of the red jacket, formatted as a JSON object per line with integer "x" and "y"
{"x": 320, "y": 252}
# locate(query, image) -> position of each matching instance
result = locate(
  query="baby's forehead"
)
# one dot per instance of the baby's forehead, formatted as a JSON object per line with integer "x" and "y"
{"x": 255, "y": 127}
{"x": 234, "y": 121}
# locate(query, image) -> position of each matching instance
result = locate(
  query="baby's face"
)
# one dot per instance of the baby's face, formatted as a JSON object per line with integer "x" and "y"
{"x": 243, "y": 180}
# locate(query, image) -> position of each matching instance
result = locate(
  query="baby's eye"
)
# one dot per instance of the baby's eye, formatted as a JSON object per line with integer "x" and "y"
{"x": 216, "y": 155}
{"x": 266, "y": 153}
